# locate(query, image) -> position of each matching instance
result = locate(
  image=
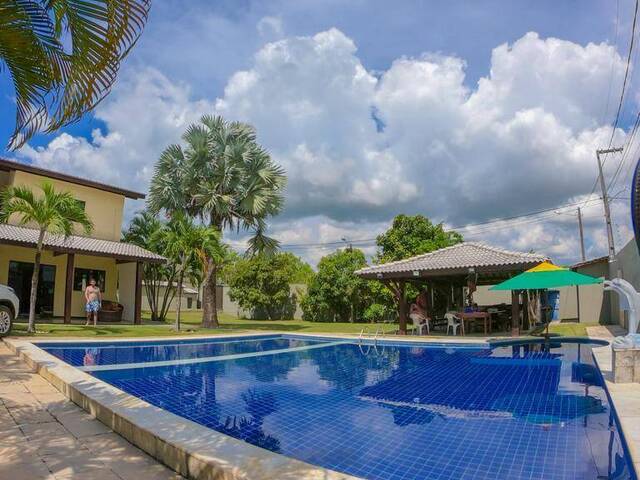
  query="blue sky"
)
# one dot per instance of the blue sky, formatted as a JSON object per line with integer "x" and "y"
{"x": 475, "y": 97}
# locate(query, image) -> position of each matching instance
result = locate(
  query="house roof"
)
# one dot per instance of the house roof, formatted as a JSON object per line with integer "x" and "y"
{"x": 8, "y": 165}
{"x": 593, "y": 261}
{"x": 456, "y": 260}
{"x": 28, "y": 237}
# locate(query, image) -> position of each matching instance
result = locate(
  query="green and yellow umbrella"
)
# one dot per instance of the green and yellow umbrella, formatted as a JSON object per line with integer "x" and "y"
{"x": 546, "y": 275}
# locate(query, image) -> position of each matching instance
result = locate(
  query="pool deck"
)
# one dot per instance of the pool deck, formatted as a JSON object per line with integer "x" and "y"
{"x": 45, "y": 436}
{"x": 624, "y": 396}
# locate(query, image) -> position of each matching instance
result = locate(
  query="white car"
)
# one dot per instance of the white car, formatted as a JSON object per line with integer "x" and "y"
{"x": 9, "y": 308}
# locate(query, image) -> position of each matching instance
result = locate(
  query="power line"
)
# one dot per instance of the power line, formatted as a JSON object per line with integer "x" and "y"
{"x": 623, "y": 91}
{"x": 480, "y": 227}
{"x": 626, "y": 73}
{"x": 613, "y": 62}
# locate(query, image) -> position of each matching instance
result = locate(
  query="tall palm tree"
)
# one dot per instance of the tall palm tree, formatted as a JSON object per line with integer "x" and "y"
{"x": 226, "y": 179}
{"x": 63, "y": 56}
{"x": 187, "y": 244}
{"x": 51, "y": 211}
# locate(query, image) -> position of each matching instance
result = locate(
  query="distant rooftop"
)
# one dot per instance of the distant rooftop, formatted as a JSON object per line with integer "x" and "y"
{"x": 9, "y": 165}
{"x": 593, "y": 261}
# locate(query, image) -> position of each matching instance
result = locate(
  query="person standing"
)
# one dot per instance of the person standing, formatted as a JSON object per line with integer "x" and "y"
{"x": 93, "y": 297}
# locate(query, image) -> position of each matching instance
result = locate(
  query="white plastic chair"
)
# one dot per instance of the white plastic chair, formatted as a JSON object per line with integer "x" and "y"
{"x": 453, "y": 322}
{"x": 417, "y": 325}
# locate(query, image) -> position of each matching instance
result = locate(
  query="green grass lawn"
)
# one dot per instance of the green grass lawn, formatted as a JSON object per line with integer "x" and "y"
{"x": 228, "y": 324}
{"x": 191, "y": 325}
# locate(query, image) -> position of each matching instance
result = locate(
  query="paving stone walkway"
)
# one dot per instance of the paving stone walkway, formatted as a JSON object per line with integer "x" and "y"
{"x": 45, "y": 436}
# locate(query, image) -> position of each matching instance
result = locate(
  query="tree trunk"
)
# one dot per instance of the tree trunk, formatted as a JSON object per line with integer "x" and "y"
{"x": 179, "y": 306}
{"x": 34, "y": 284}
{"x": 209, "y": 300}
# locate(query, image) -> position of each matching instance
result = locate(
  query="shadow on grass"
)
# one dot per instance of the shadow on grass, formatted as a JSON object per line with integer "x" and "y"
{"x": 257, "y": 325}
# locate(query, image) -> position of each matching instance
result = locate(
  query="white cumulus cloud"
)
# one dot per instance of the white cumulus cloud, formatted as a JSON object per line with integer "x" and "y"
{"x": 361, "y": 146}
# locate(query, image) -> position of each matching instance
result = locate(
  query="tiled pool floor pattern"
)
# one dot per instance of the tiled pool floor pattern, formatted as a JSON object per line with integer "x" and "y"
{"x": 404, "y": 412}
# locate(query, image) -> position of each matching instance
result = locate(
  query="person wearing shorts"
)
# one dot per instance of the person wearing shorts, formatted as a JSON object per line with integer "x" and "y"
{"x": 93, "y": 298}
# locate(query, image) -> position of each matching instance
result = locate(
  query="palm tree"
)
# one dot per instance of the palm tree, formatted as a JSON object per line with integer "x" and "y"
{"x": 53, "y": 212}
{"x": 147, "y": 231}
{"x": 63, "y": 56}
{"x": 227, "y": 180}
{"x": 187, "y": 244}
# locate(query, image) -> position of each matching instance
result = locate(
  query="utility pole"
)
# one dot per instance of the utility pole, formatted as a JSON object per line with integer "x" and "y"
{"x": 349, "y": 244}
{"x": 584, "y": 257}
{"x": 605, "y": 201}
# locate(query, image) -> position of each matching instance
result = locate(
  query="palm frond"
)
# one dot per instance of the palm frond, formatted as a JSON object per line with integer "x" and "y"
{"x": 53, "y": 86}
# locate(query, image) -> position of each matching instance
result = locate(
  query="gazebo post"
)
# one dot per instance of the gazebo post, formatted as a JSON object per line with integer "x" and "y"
{"x": 515, "y": 313}
{"x": 525, "y": 310}
{"x": 402, "y": 308}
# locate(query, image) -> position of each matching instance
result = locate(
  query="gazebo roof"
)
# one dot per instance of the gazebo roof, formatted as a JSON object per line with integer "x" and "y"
{"x": 456, "y": 261}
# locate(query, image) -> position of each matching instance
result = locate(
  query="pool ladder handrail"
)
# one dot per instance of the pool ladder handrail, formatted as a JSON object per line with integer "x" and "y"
{"x": 365, "y": 331}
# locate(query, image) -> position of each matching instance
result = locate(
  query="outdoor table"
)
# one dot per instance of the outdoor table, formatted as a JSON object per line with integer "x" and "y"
{"x": 472, "y": 316}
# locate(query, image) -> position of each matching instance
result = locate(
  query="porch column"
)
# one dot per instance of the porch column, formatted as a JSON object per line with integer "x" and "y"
{"x": 402, "y": 308}
{"x": 515, "y": 313}
{"x": 137, "y": 309}
{"x": 525, "y": 310}
{"x": 68, "y": 287}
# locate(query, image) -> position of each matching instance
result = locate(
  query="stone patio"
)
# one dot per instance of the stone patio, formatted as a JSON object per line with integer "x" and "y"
{"x": 45, "y": 436}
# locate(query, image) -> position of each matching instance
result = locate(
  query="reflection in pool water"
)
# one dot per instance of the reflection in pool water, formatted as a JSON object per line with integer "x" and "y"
{"x": 396, "y": 412}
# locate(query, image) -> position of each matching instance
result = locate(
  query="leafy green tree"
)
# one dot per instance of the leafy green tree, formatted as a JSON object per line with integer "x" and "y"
{"x": 409, "y": 235}
{"x": 63, "y": 56}
{"x": 335, "y": 293}
{"x": 145, "y": 230}
{"x": 50, "y": 211}
{"x": 262, "y": 283}
{"x": 187, "y": 245}
{"x": 302, "y": 271}
{"x": 225, "y": 178}
{"x": 412, "y": 235}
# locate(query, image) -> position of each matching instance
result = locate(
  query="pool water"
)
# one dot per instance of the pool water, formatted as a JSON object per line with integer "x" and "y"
{"x": 391, "y": 412}
{"x": 116, "y": 353}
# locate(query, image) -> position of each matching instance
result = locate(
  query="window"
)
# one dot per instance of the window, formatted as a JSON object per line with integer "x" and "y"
{"x": 81, "y": 277}
{"x": 189, "y": 302}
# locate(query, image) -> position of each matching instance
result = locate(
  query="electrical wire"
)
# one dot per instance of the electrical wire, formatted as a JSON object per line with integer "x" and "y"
{"x": 473, "y": 229}
{"x": 622, "y": 93}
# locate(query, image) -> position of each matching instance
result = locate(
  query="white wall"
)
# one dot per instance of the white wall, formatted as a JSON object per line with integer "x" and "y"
{"x": 127, "y": 289}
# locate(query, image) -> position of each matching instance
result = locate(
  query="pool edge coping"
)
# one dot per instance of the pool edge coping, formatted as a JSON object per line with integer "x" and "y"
{"x": 624, "y": 398}
{"x": 190, "y": 449}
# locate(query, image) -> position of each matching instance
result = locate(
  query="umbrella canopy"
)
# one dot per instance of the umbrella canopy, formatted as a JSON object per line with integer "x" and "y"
{"x": 546, "y": 275}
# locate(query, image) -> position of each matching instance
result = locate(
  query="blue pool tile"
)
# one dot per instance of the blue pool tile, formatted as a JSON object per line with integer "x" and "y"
{"x": 401, "y": 412}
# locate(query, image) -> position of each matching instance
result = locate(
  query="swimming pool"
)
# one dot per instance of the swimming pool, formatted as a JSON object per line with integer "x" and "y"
{"x": 391, "y": 411}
